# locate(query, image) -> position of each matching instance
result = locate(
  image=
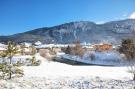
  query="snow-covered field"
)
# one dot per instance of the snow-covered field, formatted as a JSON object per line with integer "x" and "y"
{"x": 66, "y": 83}
{"x": 54, "y": 69}
{"x": 16, "y": 58}
{"x": 100, "y": 58}
{"x": 55, "y": 75}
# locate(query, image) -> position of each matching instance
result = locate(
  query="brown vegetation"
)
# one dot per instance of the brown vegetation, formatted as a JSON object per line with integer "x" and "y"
{"x": 45, "y": 53}
{"x": 77, "y": 50}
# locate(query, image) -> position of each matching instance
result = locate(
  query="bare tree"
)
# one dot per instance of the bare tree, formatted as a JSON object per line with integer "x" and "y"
{"x": 22, "y": 47}
{"x": 78, "y": 50}
{"x": 128, "y": 48}
{"x": 33, "y": 50}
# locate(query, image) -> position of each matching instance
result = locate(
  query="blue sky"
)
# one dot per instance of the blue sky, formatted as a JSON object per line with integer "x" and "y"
{"x": 22, "y": 15}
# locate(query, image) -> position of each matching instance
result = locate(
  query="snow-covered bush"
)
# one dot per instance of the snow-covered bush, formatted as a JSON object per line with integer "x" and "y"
{"x": 32, "y": 62}
{"x": 6, "y": 69}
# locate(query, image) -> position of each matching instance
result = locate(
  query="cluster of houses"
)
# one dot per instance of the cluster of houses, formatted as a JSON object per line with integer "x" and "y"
{"x": 27, "y": 47}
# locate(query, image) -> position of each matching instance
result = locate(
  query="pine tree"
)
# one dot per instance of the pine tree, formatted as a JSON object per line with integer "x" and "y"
{"x": 68, "y": 50}
{"x": 10, "y": 52}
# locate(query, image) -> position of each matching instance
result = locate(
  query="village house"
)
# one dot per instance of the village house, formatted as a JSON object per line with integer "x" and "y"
{"x": 103, "y": 47}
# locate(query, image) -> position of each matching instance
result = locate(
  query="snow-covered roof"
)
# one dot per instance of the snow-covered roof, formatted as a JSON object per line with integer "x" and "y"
{"x": 52, "y": 45}
{"x": 38, "y": 43}
{"x": 2, "y": 49}
{"x": 2, "y": 45}
{"x": 27, "y": 44}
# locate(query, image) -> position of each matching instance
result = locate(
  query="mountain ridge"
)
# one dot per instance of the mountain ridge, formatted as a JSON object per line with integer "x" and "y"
{"x": 85, "y": 31}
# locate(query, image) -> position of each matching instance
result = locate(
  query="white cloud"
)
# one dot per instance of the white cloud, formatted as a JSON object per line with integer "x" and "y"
{"x": 132, "y": 16}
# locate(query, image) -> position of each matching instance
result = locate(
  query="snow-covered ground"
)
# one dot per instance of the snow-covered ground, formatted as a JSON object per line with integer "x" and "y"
{"x": 100, "y": 58}
{"x": 55, "y": 75}
{"x": 66, "y": 83}
{"x": 21, "y": 58}
{"x": 54, "y": 69}
{"x": 16, "y": 58}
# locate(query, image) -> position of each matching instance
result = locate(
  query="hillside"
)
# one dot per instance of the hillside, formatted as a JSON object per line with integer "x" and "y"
{"x": 85, "y": 31}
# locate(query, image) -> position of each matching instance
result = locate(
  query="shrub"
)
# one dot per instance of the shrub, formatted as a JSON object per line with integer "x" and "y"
{"x": 43, "y": 52}
{"x": 92, "y": 56}
{"x": 19, "y": 71}
{"x": 68, "y": 50}
{"x": 46, "y": 54}
{"x": 1, "y": 66}
{"x": 78, "y": 50}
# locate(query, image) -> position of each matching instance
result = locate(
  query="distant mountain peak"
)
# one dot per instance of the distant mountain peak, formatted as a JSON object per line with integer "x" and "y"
{"x": 85, "y": 31}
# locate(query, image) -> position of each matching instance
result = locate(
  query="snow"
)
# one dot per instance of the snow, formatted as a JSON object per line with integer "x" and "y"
{"x": 55, "y": 69}
{"x": 27, "y": 44}
{"x": 101, "y": 58}
{"x": 55, "y": 75}
{"x": 17, "y": 58}
{"x": 2, "y": 45}
{"x": 38, "y": 43}
{"x": 22, "y": 58}
{"x": 2, "y": 49}
{"x": 51, "y": 45}
{"x": 65, "y": 83}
